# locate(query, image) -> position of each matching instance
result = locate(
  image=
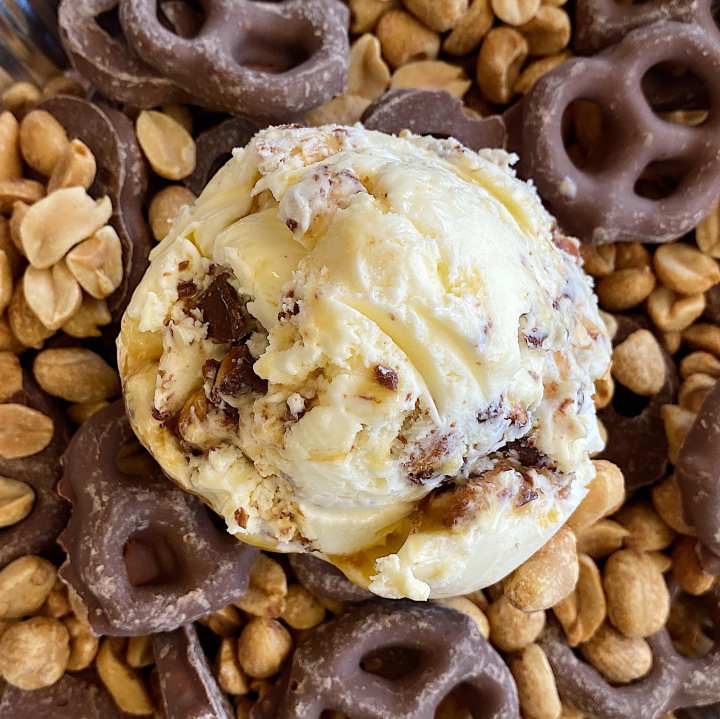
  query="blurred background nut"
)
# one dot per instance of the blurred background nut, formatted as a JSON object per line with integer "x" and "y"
{"x": 16, "y": 501}
{"x": 439, "y": 15}
{"x": 10, "y": 160}
{"x": 501, "y": 58}
{"x": 548, "y": 32}
{"x": 472, "y": 610}
{"x": 686, "y": 568}
{"x": 677, "y": 423}
{"x": 12, "y": 191}
{"x": 43, "y": 141}
{"x": 536, "y": 686}
{"x": 34, "y": 653}
{"x": 605, "y": 494}
{"x": 515, "y": 12}
{"x": 11, "y": 374}
{"x": 470, "y": 28}
{"x": 139, "y": 652}
{"x": 6, "y": 281}
{"x": 405, "y": 39}
{"x": 63, "y": 85}
{"x": 671, "y": 341}
{"x": 24, "y": 586}
{"x": 57, "y": 604}
{"x": 19, "y": 210}
{"x": 703, "y": 336}
{"x": 547, "y": 577}
{"x": 667, "y": 500}
{"x": 96, "y": 263}
{"x": 618, "y": 658}
{"x": 83, "y": 644}
{"x": 432, "y": 75}
{"x": 512, "y": 629}
{"x": 20, "y": 97}
{"x": 624, "y": 289}
{"x": 7, "y": 245}
{"x": 685, "y": 269}
{"x": 535, "y": 70}
{"x": 24, "y": 323}
{"x": 639, "y": 365}
{"x": 599, "y": 260}
{"x": 302, "y": 610}
{"x": 165, "y": 207}
{"x": 344, "y": 109}
{"x": 369, "y": 75}
{"x": 662, "y": 562}
{"x": 366, "y": 13}
{"x": 707, "y": 233}
{"x": 604, "y": 390}
{"x": 230, "y": 676}
{"x": 694, "y": 390}
{"x": 52, "y": 294}
{"x": 180, "y": 113}
{"x": 87, "y": 320}
{"x": 700, "y": 362}
{"x": 225, "y": 622}
{"x": 8, "y": 341}
{"x": 638, "y": 600}
{"x": 646, "y": 530}
{"x": 75, "y": 168}
{"x": 601, "y": 539}
{"x": 76, "y": 375}
{"x": 125, "y": 685}
{"x": 671, "y": 311}
{"x": 168, "y": 146}
{"x": 267, "y": 589}
{"x": 262, "y": 647}
{"x": 81, "y": 411}
{"x": 23, "y": 431}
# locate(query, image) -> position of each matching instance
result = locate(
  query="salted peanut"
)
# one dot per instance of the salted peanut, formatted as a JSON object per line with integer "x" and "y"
{"x": 75, "y": 168}
{"x": 369, "y": 75}
{"x": 25, "y": 585}
{"x": 601, "y": 539}
{"x": 60, "y": 221}
{"x": 11, "y": 374}
{"x": 604, "y": 391}
{"x": 267, "y": 589}
{"x": 230, "y": 676}
{"x": 583, "y": 612}
{"x": 432, "y": 75}
{"x": 667, "y": 500}
{"x": 662, "y": 562}
{"x": 404, "y": 39}
{"x": 81, "y": 411}
{"x": 677, "y": 423}
{"x": 180, "y": 113}
{"x": 34, "y": 653}
{"x": 685, "y": 269}
{"x": 438, "y": 15}
{"x": 535, "y": 70}
{"x": 76, "y": 375}
{"x": 6, "y": 281}
{"x": 515, "y": 12}
{"x": 341, "y": 110}
{"x": 605, "y": 494}
{"x": 224, "y": 622}
{"x": 63, "y": 85}
{"x": 672, "y": 312}
{"x": 96, "y": 263}
{"x": 694, "y": 390}
{"x": 638, "y": 600}
{"x": 139, "y": 652}
{"x": 19, "y": 210}
{"x": 16, "y": 502}
{"x": 638, "y": 363}
{"x": 548, "y": 32}
{"x": 671, "y": 341}
{"x": 52, "y": 294}
{"x": 20, "y": 97}
{"x": 8, "y": 341}
{"x": 703, "y": 336}
{"x": 262, "y": 647}
{"x": 647, "y": 532}
{"x": 631, "y": 254}
{"x": 707, "y": 233}
{"x": 687, "y": 570}
{"x": 366, "y": 13}
{"x": 13, "y": 256}
{"x": 618, "y": 658}
{"x": 43, "y": 141}
{"x": 22, "y": 190}
{"x": 24, "y": 323}
{"x": 599, "y": 260}
{"x": 512, "y": 629}
{"x": 501, "y": 57}
{"x": 23, "y": 431}
{"x": 10, "y": 160}
{"x": 699, "y": 362}
{"x": 536, "y": 686}
{"x": 89, "y": 317}
{"x": 83, "y": 644}
{"x": 302, "y": 610}
{"x": 165, "y": 207}
{"x": 57, "y": 604}
{"x": 624, "y": 289}
{"x": 124, "y": 683}
{"x": 470, "y": 28}
{"x": 467, "y": 606}
{"x": 168, "y": 146}
{"x": 547, "y": 577}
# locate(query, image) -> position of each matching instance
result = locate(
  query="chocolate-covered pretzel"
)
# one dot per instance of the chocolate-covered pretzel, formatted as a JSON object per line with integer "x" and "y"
{"x": 214, "y": 147}
{"x": 637, "y": 441}
{"x": 187, "y": 684}
{"x": 102, "y": 56}
{"x": 271, "y": 60}
{"x": 324, "y": 580}
{"x": 431, "y": 112}
{"x": 121, "y": 175}
{"x": 143, "y": 555}
{"x": 39, "y": 530}
{"x": 602, "y": 201}
{"x": 698, "y": 474}
{"x": 446, "y": 652}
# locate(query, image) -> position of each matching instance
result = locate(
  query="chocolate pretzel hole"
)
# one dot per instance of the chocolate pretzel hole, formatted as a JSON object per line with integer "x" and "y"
{"x": 585, "y": 129}
{"x": 393, "y": 662}
{"x": 133, "y": 460}
{"x": 672, "y": 86}
{"x": 660, "y": 180}
{"x": 109, "y": 21}
{"x": 628, "y": 404}
{"x": 184, "y": 18}
{"x": 466, "y": 700}
{"x": 150, "y": 560}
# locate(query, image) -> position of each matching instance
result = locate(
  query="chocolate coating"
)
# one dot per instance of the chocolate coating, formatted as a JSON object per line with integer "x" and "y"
{"x": 324, "y": 580}
{"x": 437, "y": 113}
{"x": 143, "y": 555}
{"x": 187, "y": 684}
{"x": 448, "y": 651}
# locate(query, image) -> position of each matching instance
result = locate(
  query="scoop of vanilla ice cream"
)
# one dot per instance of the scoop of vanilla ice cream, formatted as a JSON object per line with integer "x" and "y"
{"x": 377, "y": 349}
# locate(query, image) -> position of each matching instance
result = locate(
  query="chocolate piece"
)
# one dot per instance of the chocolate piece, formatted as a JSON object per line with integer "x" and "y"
{"x": 39, "y": 530}
{"x": 78, "y": 695}
{"x": 436, "y": 113}
{"x": 187, "y": 685}
{"x": 698, "y": 472}
{"x": 121, "y": 175}
{"x": 606, "y": 200}
{"x": 324, "y": 580}
{"x": 143, "y": 555}
{"x": 214, "y": 148}
{"x": 224, "y": 311}
{"x": 105, "y": 60}
{"x": 272, "y": 60}
{"x": 637, "y": 442}
{"x": 235, "y": 375}
{"x": 395, "y": 659}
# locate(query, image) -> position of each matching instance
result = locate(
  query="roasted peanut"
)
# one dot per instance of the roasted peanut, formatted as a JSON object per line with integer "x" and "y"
{"x": 468, "y": 607}
{"x": 24, "y": 586}
{"x": 267, "y": 589}
{"x": 470, "y": 28}
{"x": 404, "y": 39}
{"x": 16, "y": 501}
{"x": 684, "y": 269}
{"x": 168, "y": 146}
{"x": 624, "y": 289}
{"x": 431, "y": 75}
{"x": 548, "y": 32}
{"x": 75, "y": 168}
{"x": 512, "y": 629}
{"x": 262, "y": 647}
{"x": 43, "y": 141}
{"x": 52, "y": 294}
{"x": 501, "y": 57}
{"x": 535, "y": 681}
{"x": 646, "y": 530}
{"x": 165, "y": 207}
{"x": 605, "y": 494}
{"x": 618, "y": 658}
{"x": 10, "y": 160}
{"x": 687, "y": 570}
{"x": 23, "y": 431}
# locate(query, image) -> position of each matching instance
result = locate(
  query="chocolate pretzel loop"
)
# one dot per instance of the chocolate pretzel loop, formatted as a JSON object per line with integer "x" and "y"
{"x": 602, "y": 204}
{"x": 271, "y": 60}
{"x": 144, "y": 556}
{"x": 326, "y": 671}
{"x": 324, "y": 580}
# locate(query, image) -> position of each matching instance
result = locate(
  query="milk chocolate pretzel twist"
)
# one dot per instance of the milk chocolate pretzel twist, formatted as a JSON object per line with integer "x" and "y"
{"x": 272, "y": 60}
{"x": 143, "y": 555}
{"x": 324, "y": 580}
{"x": 674, "y": 681}
{"x": 601, "y": 204}
{"x": 326, "y": 671}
